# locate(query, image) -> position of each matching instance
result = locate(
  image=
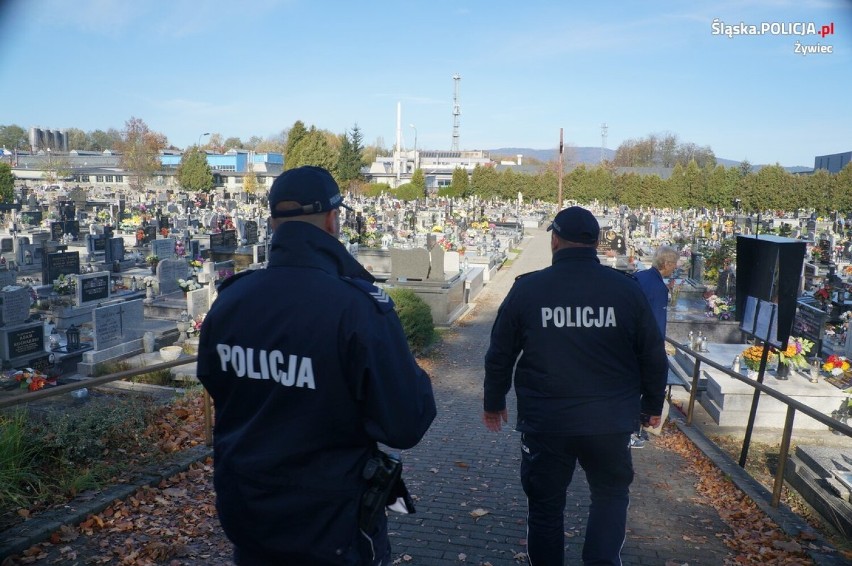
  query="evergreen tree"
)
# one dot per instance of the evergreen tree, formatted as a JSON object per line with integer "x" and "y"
{"x": 294, "y": 136}
{"x": 350, "y": 159}
{"x": 7, "y": 184}
{"x": 194, "y": 173}
{"x": 418, "y": 181}
{"x": 460, "y": 185}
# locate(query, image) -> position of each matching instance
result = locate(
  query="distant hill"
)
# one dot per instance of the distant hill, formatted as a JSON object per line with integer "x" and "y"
{"x": 592, "y": 155}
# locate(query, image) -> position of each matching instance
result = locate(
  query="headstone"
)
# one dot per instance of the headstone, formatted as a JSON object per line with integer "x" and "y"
{"x": 168, "y": 273}
{"x": 96, "y": 244}
{"x": 810, "y": 323}
{"x": 57, "y": 230}
{"x": 197, "y": 302}
{"x": 251, "y": 232}
{"x": 16, "y": 306}
{"x": 21, "y": 340}
{"x": 436, "y": 261}
{"x": 93, "y": 287}
{"x": 118, "y": 323}
{"x": 114, "y": 250}
{"x": 229, "y": 239}
{"x": 163, "y": 248}
{"x": 410, "y": 264}
{"x": 62, "y": 263}
{"x": 217, "y": 240}
{"x": 150, "y": 234}
{"x": 6, "y": 278}
{"x": 6, "y": 245}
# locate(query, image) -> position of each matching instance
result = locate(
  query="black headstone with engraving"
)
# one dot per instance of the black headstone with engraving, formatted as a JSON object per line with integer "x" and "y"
{"x": 55, "y": 264}
{"x": 251, "y": 232}
{"x": 57, "y": 230}
{"x": 217, "y": 240}
{"x": 229, "y": 239}
{"x": 810, "y": 323}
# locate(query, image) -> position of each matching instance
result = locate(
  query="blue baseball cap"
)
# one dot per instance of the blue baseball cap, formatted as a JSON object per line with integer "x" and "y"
{"x": 312, "y": 187}
{"x": 576, "y": 224}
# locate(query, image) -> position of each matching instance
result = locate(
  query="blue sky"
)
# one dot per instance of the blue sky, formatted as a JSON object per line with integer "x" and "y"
{"x": 527, "y": 69}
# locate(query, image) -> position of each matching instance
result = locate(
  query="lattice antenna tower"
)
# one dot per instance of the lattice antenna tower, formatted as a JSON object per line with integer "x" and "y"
{"x": 604, "y": 129}
{"x": 456, "y": 112}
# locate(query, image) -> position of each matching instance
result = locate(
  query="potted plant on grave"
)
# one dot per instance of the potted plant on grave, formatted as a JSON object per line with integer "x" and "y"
{"x": 152, "y": 261}
{"x": 795, "y": 356}
{"x": 751, "y": 359}
{"x": 187, "y": 285}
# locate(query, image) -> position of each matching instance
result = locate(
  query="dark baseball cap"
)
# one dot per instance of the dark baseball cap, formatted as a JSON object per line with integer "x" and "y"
{"x": 576, "y": 224}
{"x": 312, "y": 187}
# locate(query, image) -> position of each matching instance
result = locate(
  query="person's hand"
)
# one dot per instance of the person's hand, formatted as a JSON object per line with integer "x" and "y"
{"x": 494, "y": 421}
{"x": 653, "y": 421}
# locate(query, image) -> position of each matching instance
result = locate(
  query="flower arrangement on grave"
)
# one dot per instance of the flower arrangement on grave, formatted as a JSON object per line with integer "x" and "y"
{"x": 187, "y": 285}
{"x": 836, "y": 365}
{"x": 195, "y": 325}
{"x": 823, "y": 294}
{"x": 796, "y": 353}
{"x": 196, "y": 263}
{"x": 30, "y": 379}
{"x": 65, "y": 285}
{"x": 152, "y": 260}
{"x": 223, "y": 274}
{"x": 149, "y": 280}
{"x": 751, "y": 357}
{"x": 180, "y": 250}
{"x": 720, "y": 307}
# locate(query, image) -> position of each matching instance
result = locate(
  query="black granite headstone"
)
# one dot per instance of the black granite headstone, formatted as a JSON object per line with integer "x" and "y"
{"x": 251, "y": 232}
{"x": 57, "y": 230}
{"x": 55, "y": 264}
{"x": 229, "y": 239}
{"x": 810, "y": 323}
{"x": 25, "y": 341}
{"x": 217, "y": 240}
{"x": 94, "y": 288}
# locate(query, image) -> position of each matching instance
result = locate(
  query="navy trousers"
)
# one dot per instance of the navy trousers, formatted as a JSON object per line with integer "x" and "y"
{"x": 547, "y": 466}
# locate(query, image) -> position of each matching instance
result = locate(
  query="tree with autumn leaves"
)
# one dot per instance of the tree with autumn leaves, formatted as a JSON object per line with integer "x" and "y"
{"x": 140, "y": 152}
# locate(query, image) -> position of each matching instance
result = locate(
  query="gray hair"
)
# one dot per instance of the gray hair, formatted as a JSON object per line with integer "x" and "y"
{"x": 664, "y": 254}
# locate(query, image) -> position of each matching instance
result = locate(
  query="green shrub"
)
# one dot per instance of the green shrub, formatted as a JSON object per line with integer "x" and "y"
{"x": 416, "y": 318}
{"x": 98, "y": 425}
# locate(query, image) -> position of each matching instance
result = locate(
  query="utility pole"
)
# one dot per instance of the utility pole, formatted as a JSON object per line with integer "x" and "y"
{"x": 604, "y": 129}
{"x": 456, "y": 113}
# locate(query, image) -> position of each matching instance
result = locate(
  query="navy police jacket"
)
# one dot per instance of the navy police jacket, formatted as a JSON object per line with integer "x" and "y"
{"x": 308, "y": 367}
{"x": 590, "y": 350}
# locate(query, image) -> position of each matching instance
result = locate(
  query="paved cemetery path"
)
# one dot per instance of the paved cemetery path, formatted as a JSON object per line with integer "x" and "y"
{"x": 471, "y": 508}
{"x": 465, "y": 480}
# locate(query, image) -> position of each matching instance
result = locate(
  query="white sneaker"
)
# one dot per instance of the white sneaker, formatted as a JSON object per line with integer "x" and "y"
{"x": 636, "y": 441}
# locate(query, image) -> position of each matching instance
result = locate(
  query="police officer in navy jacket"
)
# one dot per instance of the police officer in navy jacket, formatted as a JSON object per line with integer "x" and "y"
{"x": 591, "y": 358}
{"x": 309, "y": 369}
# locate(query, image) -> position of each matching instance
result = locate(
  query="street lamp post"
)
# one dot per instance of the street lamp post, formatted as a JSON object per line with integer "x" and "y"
{"x": 201, "y": 136}
{"x": 415, "y": 145}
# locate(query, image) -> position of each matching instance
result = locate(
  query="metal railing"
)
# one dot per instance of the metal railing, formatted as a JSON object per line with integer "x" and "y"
{"x": 34, "y": 396}
{"x": 792, "y": 406}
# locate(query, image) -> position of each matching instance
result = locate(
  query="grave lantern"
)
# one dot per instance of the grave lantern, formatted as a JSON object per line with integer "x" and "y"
{"x": 134, "y": 285}
{"x": 53, "y": 338}
{"x": 28, "y": 258}
{"x": 72, "y": 338}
